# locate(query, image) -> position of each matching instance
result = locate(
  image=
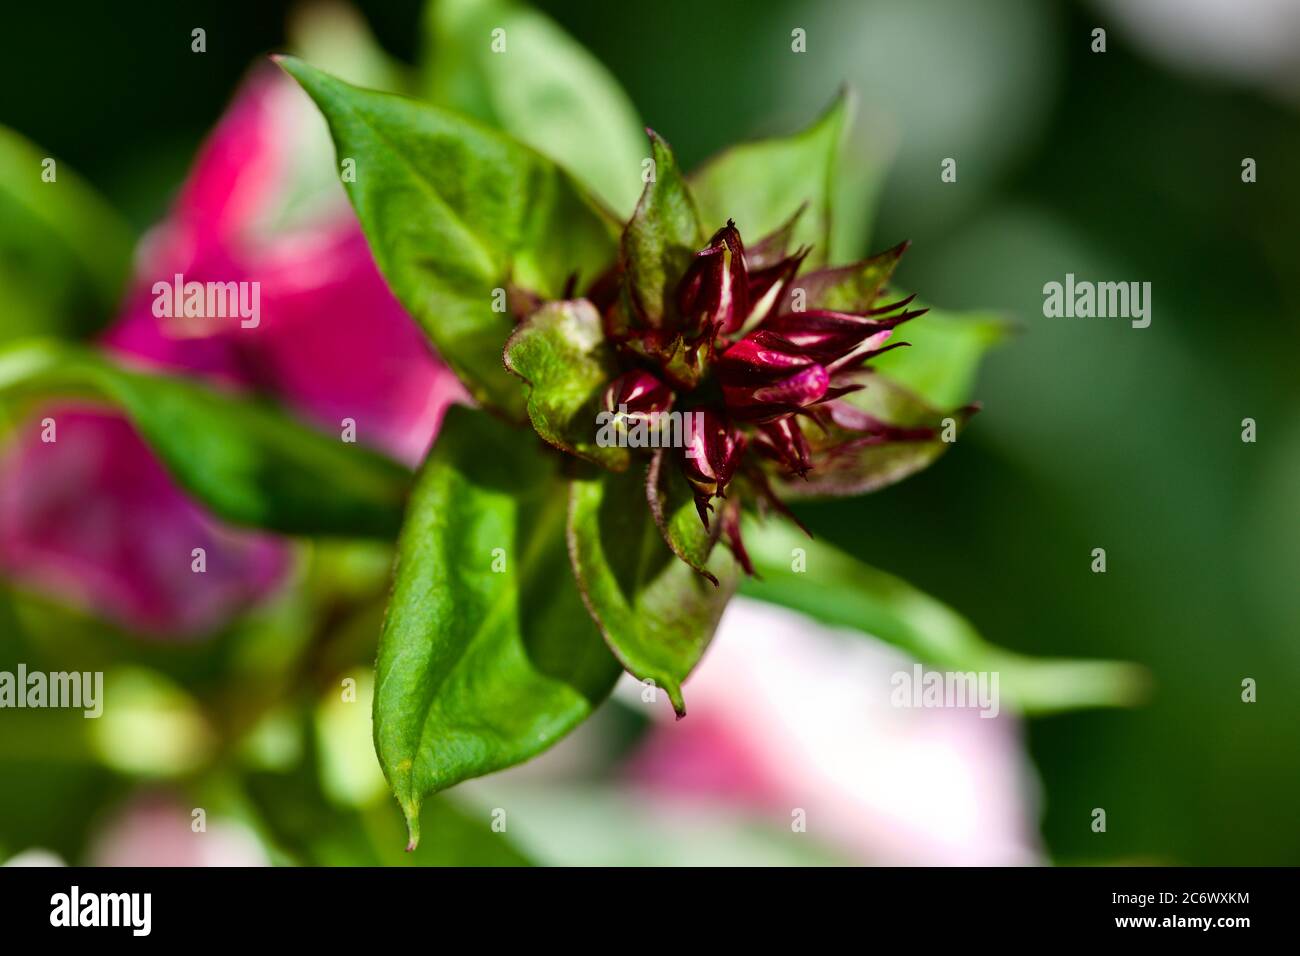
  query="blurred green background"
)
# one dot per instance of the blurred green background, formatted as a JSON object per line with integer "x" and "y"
{"x": 1118, "y": 166}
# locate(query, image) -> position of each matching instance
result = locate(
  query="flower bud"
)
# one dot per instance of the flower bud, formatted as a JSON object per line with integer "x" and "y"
{"x": 637, "y": 394}
{"x": 713, "y": 450}
{"x": 764, "y": 377}
{"x": 713, "y": 295}
{"x": 784, "y": 441}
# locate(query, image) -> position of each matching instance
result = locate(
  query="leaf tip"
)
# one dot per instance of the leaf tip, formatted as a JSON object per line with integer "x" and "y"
{"x": 411, "y": 811}
{"x": 674, "y": 691}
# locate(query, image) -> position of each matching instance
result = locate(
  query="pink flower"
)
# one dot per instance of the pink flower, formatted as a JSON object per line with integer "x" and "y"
{"x": 788, "y": 715}
{"x": 92, "y": 517}
{"x": 332, "y": 341}
{"x": 152, "y": 829}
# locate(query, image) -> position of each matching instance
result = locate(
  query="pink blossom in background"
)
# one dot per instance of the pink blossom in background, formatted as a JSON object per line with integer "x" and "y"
{"x": 332, "y": 342}
{"x": 154, "y": 830}
{"x": 785, "y": 713}
{"x": 93, "y": 518}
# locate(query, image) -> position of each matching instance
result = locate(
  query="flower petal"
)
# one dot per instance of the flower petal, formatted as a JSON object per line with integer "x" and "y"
{"x": 94, "y": 517}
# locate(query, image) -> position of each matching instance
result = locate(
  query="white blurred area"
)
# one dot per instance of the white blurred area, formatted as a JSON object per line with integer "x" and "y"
{"x": 785, "y": 715}
{"x": 1252, "y": 40}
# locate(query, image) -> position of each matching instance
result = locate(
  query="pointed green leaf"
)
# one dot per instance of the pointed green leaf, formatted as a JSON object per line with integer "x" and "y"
{"x": 455, "y": 213}
{"x": 486, "y": 657}
{"x": 540, "y": 85}
{"x": 560, "y": 353}
{"x": 246, "y": 461}
{"x": 656, "y": 613}
{"x": 761, "y": 184}
{"x": 839, "y": 590}
{"x": 663, "y": 235}
{"x": 850, "y": 288}
{"x": 64, "y": 254}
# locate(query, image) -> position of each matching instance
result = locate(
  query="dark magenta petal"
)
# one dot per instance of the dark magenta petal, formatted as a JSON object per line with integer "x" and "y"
{"x": 802, "y": 388}
{"x": 710, "y": 459}
{"x": 93, "y": 517}
{"x": 828, "y": 336}
{"x": 763, "y": 376}
{"x": 768, "y": 285}
{"x": 731, "y": 529}
{"x": 783, "y": 440}
{"x": 760, "y": 358}
{"x": 713, "y": 296}
{"x": 640, "y": 393}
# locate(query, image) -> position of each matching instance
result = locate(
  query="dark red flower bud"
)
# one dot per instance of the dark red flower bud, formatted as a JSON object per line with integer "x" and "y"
{"x": 713, "y": 296}
{"x": 784, "y": 441}
{"x": 830, "y": 337}
{"x": 637, "y": 394}
{"x": 764, "y": 377}
{"x": 713, "y": 450}
{"x": 767, "y": 287}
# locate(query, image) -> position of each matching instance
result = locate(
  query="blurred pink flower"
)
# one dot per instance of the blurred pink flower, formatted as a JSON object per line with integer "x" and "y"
{"x": 332, "y": 341}
{"x": 153, "y": 830}
{"x": 786, "y": 714}
{"x": 92, "y": 517}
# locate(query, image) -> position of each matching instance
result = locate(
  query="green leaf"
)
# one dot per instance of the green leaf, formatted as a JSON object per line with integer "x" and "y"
{"x": 247, "y": 462}
{"x": 560, "y": 353}
{"x": 851, "y": 288}
{"x": 841, "y": 591}
{"x": 661, "y": 238}
{"x": 486, "y": 657}
{"x": 64, "y": 254}
{"x": 656, "y": 613}
{"x": 456, "y": 214}
{"x": 761, "y": 184}
{"x": 543, "y": 87}
{"x": 944, "y": 357}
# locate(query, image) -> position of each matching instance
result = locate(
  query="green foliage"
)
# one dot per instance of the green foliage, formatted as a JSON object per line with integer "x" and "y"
{"x": 761, "y": 184}
{"x": 487, "y": 656}
{"x": 662, "y": 236}
{"x": 832, "y": 587}
{"x": 657, "y": 614}
{"x": 537, "y": 83}
{"x": 454, "y": 212}
{"x": 64, "y": 255}
{"x": 560, "y": 353}
{"x": 246, "y": 461}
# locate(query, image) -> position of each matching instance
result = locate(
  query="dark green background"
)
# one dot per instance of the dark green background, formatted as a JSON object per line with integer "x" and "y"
{"x": 1114, "y": 167}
